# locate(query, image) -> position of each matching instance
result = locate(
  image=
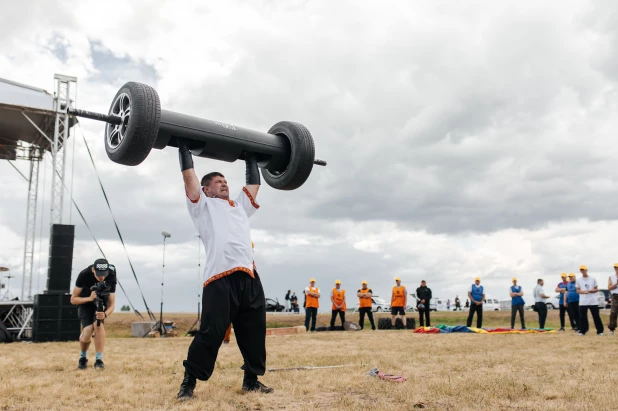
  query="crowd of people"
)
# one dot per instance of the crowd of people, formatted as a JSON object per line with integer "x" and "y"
{"x": 577, "y": 297}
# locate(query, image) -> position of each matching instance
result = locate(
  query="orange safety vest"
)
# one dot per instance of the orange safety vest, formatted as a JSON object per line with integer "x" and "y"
{"x": 399, "y": 294}
{"x": 365, "y": 302}
{"x": 313, "y": 301}
{"x": 339, "y": 297}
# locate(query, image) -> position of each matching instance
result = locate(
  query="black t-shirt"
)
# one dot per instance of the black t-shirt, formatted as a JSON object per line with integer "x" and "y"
{"x": 86, "y": 279}
{"x": 423, "y": 293}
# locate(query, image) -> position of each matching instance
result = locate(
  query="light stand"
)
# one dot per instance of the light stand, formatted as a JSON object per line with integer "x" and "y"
{"x": 159, "y": 326}
{"x": 199, "y": 288}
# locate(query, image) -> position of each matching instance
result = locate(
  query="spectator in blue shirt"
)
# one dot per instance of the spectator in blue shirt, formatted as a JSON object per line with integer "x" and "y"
{"x": 517, "y": 304}
{"x": 572, "y": 300}
{"x": 561, "y": 288}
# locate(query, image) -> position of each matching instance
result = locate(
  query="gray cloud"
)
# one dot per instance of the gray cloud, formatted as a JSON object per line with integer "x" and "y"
{"x": 453, "y": 127}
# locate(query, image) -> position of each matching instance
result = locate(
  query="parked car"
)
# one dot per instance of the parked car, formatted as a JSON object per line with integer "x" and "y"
{"x": 378, "y": 305}
{"x": 437, "y": 304}
{"x": 411, "y": 309}
{"x": 607, "y": 295}
{"x": 491, "y": 304}
{"x": 273, "y": 305}
{"x": 553, "y": 302}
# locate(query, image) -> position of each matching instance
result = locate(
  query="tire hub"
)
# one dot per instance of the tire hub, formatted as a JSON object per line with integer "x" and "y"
{"x": 115, "y": 133}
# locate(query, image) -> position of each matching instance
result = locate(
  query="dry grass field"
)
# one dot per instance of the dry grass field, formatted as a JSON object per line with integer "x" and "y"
{"x": 446, "y": 372}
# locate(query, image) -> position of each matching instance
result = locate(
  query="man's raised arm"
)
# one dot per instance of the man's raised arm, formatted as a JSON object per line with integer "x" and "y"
{"x": 192, "y": 183}
{"x": 252, "y": 175}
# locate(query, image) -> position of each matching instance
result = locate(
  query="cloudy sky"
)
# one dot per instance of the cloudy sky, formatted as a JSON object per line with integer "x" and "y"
{"x": 461, "y": 140}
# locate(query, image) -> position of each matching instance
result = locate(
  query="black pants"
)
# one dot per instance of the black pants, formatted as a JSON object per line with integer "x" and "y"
{"x": 573, "y": 310}
{"x": 334, "y": 317}
{"x": 519, "y": 308}
{"x": 311, "y": 313}
{"x": 583, "y": 318}
{"x": 478, "y": 309}
{"x": 563, "y": 311}
{"x": 423, "y": 317}
{"x": 238, "y": 299}
{"x": 541, "y": 309}
{"x": 369, "y": 313}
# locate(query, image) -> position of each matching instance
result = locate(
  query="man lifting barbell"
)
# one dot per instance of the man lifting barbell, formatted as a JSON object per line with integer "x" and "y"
{"x": 232, "y": 291}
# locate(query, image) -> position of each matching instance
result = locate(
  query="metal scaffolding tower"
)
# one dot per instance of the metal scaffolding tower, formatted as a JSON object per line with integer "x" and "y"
{"x": 62, "y": 102}
{"x": 35, "y": 154}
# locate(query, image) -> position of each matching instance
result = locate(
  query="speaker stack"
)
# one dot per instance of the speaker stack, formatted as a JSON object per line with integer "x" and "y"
{"x": 55, "y": 318}
{"x": 60, "y": 258}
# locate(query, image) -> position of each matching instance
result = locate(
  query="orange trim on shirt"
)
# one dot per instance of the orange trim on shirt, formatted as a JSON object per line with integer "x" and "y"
{"x": 228, "y": 272}
{"x": 193, "y": 201}
{"x": 253, "y": 203}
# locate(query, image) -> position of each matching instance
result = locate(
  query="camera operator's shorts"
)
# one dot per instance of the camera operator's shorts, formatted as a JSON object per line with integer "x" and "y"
{"x": 87, "y": 314}
{"x": 397, "y": 311}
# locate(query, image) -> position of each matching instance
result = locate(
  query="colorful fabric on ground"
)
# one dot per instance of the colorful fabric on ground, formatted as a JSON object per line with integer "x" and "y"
{"x": 447, "y": 329}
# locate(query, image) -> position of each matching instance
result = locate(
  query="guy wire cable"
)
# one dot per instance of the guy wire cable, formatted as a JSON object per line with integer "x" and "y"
{"x": 150, "y": 314}
{"x": 101, "y": 250}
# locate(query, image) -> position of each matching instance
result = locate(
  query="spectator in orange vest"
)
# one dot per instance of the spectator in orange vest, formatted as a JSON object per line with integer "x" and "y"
{"x": 365, "y": 306}
{"x": 399, "y": 301}
{"x": 312, "y": 295}
{"x": 337, "y": 297}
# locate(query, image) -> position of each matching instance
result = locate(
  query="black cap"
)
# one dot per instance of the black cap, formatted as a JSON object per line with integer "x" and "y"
{"x": 101, "y": 267}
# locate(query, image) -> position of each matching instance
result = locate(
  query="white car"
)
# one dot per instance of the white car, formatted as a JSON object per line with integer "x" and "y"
{"x": 553, "y": 302}
{"x": 491, "y": 304}
{"x": 437, "y": 304}
{"x": 378, "y": 305}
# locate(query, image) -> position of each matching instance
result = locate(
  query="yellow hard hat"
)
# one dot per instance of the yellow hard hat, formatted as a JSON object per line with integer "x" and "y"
{"x": 364, "y": 282}
{"x": 477, "y": 279}
{"x": 616, "y": 265}
{"x": 563, "y": 275}
{"x": 583, "y": 267}
{"x": 571, "y": 275}
{"x": 312, "y": 280}
{"x": 514, "y": 279}
{"x": 337, "y": 281}
{"x": 397, "y": 279}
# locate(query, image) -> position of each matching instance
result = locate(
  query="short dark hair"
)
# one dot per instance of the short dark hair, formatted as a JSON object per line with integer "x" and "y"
{"x": 539, "y": 281}
{"x": 208, "y": 178}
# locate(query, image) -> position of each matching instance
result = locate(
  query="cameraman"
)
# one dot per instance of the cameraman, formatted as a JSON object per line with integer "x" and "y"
{"x": 101, "y": 276}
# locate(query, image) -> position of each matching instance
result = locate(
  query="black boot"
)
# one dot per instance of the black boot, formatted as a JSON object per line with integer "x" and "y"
{"x": 256, "y": 386}
{"x": 250, "y": 383}
{"x": 187, "y": 387}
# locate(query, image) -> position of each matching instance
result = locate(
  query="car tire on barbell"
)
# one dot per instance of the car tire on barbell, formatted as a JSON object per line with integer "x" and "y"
{"x": 130, "y": 142}
{"x": 302, "y": 154}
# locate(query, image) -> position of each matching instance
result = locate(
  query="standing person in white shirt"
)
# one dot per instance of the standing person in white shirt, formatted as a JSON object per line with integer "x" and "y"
{"x": 587, "y": 289}
{"x": 612, "y": 286}
{"x": 232, "y": 291}
{"x": 539, "y": 302}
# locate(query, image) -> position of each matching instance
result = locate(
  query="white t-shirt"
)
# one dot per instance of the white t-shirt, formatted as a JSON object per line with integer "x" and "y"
{"x": 538, "y": 291}
{"x": 224, "y": 228}
{"x": 587, "y": 283}
{"x": 614, "y": 280}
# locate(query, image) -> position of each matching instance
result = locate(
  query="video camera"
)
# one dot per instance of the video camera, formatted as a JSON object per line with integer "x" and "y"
{"x": 102, "y": 290}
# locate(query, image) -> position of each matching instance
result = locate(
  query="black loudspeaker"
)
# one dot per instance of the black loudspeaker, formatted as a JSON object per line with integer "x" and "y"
{"x": 55, "y": 318}
{"x": 60, "y": 260}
